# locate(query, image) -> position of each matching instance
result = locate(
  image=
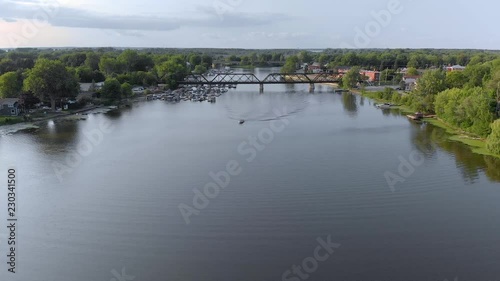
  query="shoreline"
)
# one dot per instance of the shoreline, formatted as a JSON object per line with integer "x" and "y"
{"x": 475, "y": 143}
{"x": 64, "y": 114}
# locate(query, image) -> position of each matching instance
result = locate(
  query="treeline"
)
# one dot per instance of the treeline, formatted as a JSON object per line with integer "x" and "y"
{"x": 53, "y": 75}
{"x": 468, "y": 100}
{"x": 391, "y": 59}
{"x": 150, "y": 67}
{"x": 256, "y": 60}
{"x": 58, "y": 71}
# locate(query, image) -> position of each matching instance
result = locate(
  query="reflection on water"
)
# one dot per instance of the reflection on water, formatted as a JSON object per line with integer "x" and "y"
{"x": 430, "y": 138}
{"x": 269, "y": 108}
{"x": 57, "y": 135}
{"x": 350, "y": 105}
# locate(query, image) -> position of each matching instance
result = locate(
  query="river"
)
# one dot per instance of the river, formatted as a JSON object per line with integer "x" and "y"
{"x": 111, "y": 197}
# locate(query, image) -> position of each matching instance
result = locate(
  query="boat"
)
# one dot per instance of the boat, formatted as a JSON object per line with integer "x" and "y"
{"x": 385, "y": 106}
{"x": 416, "y": 117}
{"x": 242, "y": 121}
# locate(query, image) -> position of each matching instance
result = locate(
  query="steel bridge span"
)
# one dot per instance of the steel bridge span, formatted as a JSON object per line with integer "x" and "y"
{"x": 249, "y": 78}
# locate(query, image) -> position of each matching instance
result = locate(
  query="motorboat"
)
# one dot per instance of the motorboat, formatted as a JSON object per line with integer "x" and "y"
{"x": 384, "y": 106}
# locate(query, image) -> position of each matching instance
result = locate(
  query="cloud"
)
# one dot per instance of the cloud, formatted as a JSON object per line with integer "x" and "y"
{"x": 130, "y": 33}
{"x": 9, "y": 20}
{"x": 62, "y": 16}
{"x": 70, "y": 17}
{"x": 232, "y": 18}
{"x": 276, "y": 35}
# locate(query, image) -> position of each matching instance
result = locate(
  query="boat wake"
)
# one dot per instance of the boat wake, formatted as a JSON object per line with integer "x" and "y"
{"x": 265, "y": 112}
{"x": 17, "y": 128}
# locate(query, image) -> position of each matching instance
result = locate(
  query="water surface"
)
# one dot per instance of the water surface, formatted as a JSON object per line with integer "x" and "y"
{"x": 322, "y": 175}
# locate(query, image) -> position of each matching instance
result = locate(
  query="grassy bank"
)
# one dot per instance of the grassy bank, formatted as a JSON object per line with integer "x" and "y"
{"x": 372, "y": 95}
{"x": 478, "y": 145}
{"x": 10, "y": 120}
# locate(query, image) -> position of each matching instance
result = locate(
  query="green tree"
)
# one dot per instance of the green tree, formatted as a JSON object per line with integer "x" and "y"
{"x": 109, "y": 66}
{"x": 172, "y": 71}
{"x": 51, "y": 79}
{"x": 206, "y": 61}
{"x": 455, "y": 79}
{"x": 112, "y": 89}
{"x": 129, "y": 58}
{"x": 126, "y": 90}
{"x": 493, "y": 140}
{"x": 92, "y": 61}
{"x": 477, "y": 74}
{"x": 10, "y": 85}
{"x": 352, "y": 77}
{"x": 388, "y": 75}
{"x": 412, "y": 71}
{"x": 350, "y": 59}
{"x": 413, "y": 62}
{"x": 432, "y": 82}
{"x": 290, "y": 65}
{"x": 428, "y": 86}
{"x": 245, "y": 60}
{"x": 468, "y": 109}
{"x": 195, "y": 59}
{"x": 305, "y": 57}
{"x": 323, "y": 59}
{"x": 200, "y": 69}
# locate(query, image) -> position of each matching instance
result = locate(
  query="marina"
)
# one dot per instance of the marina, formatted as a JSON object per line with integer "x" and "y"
{"x": 197, "y": 94}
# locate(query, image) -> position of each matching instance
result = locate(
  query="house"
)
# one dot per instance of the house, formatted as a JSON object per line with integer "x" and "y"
{"x": 410, "y": 82}
{"x": 373, "y": 76}
{"x": 455, "y": 68}
{"x": 87, "y": 87}
{"x": 138, "y": 90}
{"x": 341, "y": 70}
{"x": 9, "y": 107}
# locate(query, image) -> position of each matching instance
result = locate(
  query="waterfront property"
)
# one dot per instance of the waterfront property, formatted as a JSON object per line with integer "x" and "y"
{"x": 455, "y": 68}
{"x": 372, "y": 76}
{"x": 9, "y": 107}
{"x": 90, "y": 87}
{"x": 410, "y": 82}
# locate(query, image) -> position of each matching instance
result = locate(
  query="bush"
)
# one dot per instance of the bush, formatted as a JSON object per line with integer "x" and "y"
{"x": 493, "y": 141}
{"x": 396, "y": 98}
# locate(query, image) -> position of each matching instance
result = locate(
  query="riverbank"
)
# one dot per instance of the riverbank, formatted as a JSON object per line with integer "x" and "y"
{"x": 65, "y": 114}
{"x": 477, "y": 145}
{"x": 6, "y": 120}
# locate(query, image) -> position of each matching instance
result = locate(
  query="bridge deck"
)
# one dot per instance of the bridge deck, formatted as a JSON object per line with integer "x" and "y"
{"x": 273, "y": 78}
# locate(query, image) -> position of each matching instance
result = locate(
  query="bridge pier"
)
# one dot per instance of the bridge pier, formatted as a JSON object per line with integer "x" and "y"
{"x": 312, "y": 87}
{"x": 261, "y": 88}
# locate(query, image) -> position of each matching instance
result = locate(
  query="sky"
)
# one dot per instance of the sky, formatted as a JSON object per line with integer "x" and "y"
{"x": 256, "y": 24}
